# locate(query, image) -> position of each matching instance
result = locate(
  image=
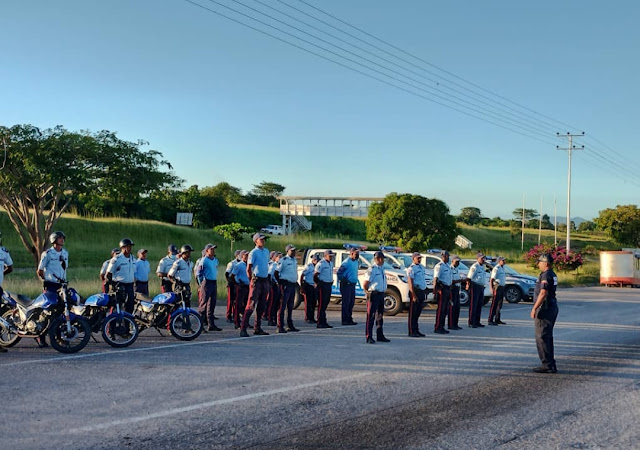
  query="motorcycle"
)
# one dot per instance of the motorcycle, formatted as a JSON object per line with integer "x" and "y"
{"x": 50, "y": 312}
{"x": 184, "y": 323}
{"x": 105, "y": 314}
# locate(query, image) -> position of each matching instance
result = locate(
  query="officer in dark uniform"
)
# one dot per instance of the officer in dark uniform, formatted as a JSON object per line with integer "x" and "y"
{"x": 456, "y": 282}
{"x": 545, "y": 312}
{"x": 418, "y": 290}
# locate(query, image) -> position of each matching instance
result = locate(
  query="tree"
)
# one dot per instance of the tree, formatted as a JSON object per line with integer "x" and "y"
{"x": 529, "y": 215}
{"x": 587, "y": 225}
{"x": 231, "y": 231}
{"x": 267, "y": 189}
{"x": 470, "y": 215}
{"x": 412, "y": 222}
{"x": 46, "y": 169}
{"x": 546, "y": 222}
{"x": 515, "y": 229}
{"x": 621, "y": 224}
{"x": 230, "y": 194}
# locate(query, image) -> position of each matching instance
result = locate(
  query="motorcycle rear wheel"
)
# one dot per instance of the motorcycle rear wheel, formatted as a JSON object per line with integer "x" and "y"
{"x": 7, "y": 337}
{"x": 186, "y": 331}
{"x": 76, "y": 341}
{"x": 119, "y": 332}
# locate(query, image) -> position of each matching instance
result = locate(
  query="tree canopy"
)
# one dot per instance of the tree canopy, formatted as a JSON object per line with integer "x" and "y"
{"x": 470, "y": 215}
{"x": 412, "y": 222}
{"x": 622, "y": 224}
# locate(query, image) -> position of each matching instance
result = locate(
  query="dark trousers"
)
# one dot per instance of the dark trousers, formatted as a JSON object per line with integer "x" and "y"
{"x": 415, "y": 309}
{"x": 444, "y": 300}
{"x": 242, "y": 295}
{"x": 545, "y": 320}
{"x": 231, "y": 300}
{"x": 288, "y": 294}
{"x": 128, "y": 296}
{"x": 476, "y": 294}
{"x": 375, "y": 308}
{"x": 50, "y": 286}
{"x": 142, "y": 287}
{"x": 496, "y": 304}
{"x": 207, "y": 300}
{"x": 324, "y": 295}
{"x": 166, "y": 285}
{"x": 348, "y": 293}
{"x": 273, "y": 304}
{"x": 258, "y": 291}
{"x": 310, "y": 294}
{"x": 454, "y": 307}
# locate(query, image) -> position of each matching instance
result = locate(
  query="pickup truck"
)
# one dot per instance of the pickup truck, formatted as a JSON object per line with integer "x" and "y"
{"x": 395, "y": 298}
{"x": 272, "y": 229}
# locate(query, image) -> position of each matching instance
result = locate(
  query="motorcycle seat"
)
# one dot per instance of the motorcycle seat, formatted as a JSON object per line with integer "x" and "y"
{"x": 142, "y": 297}
{"x": 23, "y": 300}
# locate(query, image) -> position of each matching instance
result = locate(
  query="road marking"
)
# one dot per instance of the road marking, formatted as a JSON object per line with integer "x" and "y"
{"x": 224, "y": 401}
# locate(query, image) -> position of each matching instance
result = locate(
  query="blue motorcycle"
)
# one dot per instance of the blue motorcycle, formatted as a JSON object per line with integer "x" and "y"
{"x": 50, "y": 312}
{"x": 105, "y": 314}
{"x": 169, "y": 309}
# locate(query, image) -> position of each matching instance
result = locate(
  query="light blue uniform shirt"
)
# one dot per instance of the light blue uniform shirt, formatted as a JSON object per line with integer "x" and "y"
{"x": 142, "y": 270}
{"x": 288, "y": 269}
{"x": 476, "y": 273}
{"x": 240, "y": 272}
{"x": 55, "y": 264}
{"x": 122, "y": 268}
{"x": 351, "y": 270}
{"x": 307, "y": 273}
{"x": 5, "y": 261}
{"x": 230, "y": 265}
{"x": 324, "y": 269}
{"x": 259, "y": 260}
{"x": 273, "y": 266}
{"x": 181, "y": 270}
{"x": 165, "y": 263}
{"x": 455, "y": 273}
{"x": 209, "y": 268}
{"x": 499, "y": 275}
{"x": 417, "y": 274}
{"x": 442, "y": 272}
{"x": 377, "y": 278}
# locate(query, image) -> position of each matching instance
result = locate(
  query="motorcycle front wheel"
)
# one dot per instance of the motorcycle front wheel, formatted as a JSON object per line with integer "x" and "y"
{"x": 187, "y": 326}
{"x": 73, "y": 341}
{"x": 119, "y": 331}
{"x": 7, "y": 337}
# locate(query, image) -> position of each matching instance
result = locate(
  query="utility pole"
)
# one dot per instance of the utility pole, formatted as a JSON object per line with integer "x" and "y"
{"x": 540, "y": 221}
{"x": 522, "y": 237}
{"x": 555, "y": 222}
{"x": 570, "y": 150}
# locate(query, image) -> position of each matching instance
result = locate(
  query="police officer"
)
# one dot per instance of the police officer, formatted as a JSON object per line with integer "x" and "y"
{"x": 456, "y": 282}
{"x": 348, "y": 272}
{"x": 375, "y": 285}
{"x": 180, "y": 273}
{"x": 273, "y": 297}
{"x": 323, "y": 276}
{"x": 258, "y": 270}
{"x": 231, "y": 288}
{"x": 287, "y": 274}
{"x": 121, "y": 270}
{"x": 240, "y": 279}
{"x": 141, "y": 274}
{"x": 418, "y": 290}
{"x": 475, "y": 286}
{"x": 208, "y": 271}
{"x": 545, "y": 312}
{"x": 6, "y": 263}
{"x": 498, "y": 282}
{"x": 103, "y": 270}
{"x": 442, "y": 279}
{"x": 163, "y": 268}
{"x": 309, "y": 289}
{"x": 52, "y": 268}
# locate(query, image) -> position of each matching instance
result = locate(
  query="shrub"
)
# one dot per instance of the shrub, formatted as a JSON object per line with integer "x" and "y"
{"x": 562, "y": 260}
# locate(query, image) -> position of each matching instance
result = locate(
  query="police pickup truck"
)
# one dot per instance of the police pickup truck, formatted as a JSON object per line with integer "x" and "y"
{"x": 397, "y": 294}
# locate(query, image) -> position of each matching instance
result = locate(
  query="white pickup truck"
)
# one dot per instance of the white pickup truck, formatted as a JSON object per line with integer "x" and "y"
{"x": 273, "y": 229}
{"x": 395, "y": 298}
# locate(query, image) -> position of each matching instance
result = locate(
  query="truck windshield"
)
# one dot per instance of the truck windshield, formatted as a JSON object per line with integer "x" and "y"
{"x": 369, "y": 258}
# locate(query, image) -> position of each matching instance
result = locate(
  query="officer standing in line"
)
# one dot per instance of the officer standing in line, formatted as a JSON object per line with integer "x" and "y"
{"x": 6, "y": 263}
{"x": 545, "y": 313}
{"x": 180, "y": 273}
{"x": 121, "y": 269}
{"x": 375, "y": 285}
{"x": 142, "y": 272}
{"x": 442, "y": 279}
{"x": 309, "y": 289}
{"x": 258, "y": 270}
{"x": 498, "y": 282}
{"x": 456, "y": 282}
{"x": 208, "y": 270}
{"x": 53, "y": 268}
{"x": 240, "y": 280}
{"x": 163, "y": 268}
{"x": 418, "y": 290}
{"x": 323, "y": 277}
{"x": 475, "y": 286}
{"x": 348, "y": 281}
{"x": 287, "y": 274}
{"x": 273, "y": 297}
{"x": 231, "y": 287}
{"x": 103, "y": 271}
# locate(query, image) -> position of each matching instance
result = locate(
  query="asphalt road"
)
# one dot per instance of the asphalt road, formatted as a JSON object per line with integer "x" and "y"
{"x": 328, "y": 389}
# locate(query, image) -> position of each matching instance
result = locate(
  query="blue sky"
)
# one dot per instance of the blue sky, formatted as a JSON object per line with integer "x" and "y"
{"x": 225, "y": 103}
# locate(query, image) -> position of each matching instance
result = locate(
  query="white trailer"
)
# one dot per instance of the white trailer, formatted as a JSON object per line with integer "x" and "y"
{"x": 620, "y": 268}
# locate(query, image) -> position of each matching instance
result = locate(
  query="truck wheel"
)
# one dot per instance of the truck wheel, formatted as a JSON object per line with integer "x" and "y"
{"x": 298, "y": 299}
{"x": 392, "y": 303}
{"x": 464, "y": 297}
{"x": 512, "y": 294}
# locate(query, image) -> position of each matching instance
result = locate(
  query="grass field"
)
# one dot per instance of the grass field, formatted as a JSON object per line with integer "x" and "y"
{"x": 89, "y": 242}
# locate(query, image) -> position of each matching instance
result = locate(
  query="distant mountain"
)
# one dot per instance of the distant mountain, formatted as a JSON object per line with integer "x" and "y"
{"x": 576, "y": 220}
